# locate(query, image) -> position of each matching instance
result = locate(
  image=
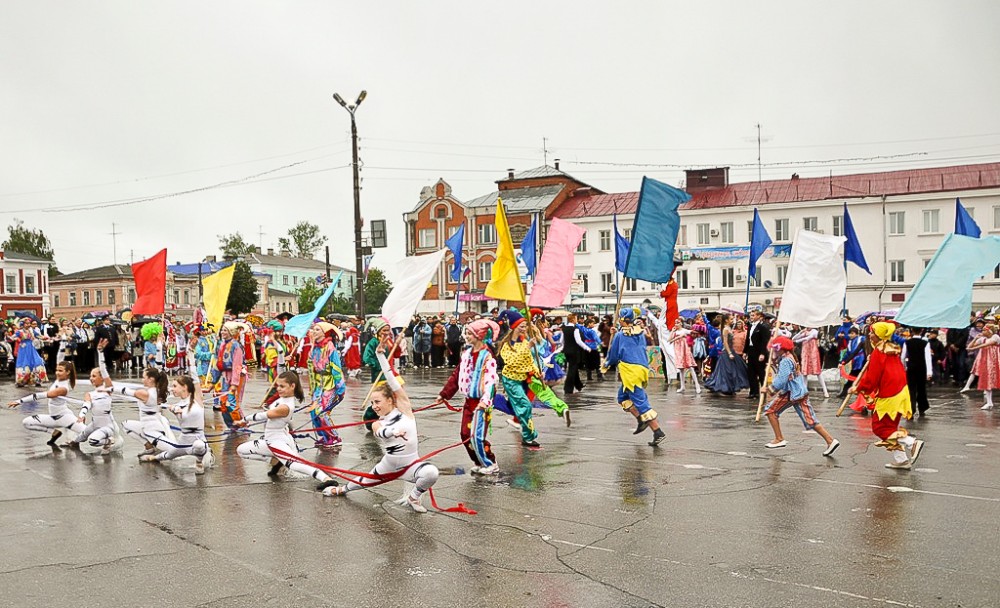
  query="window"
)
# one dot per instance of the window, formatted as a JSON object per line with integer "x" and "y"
{"x": 452, "y": 231}
{"x": 486, "y": 234}
{"x": 810, "y": 223}
{"x": 996, "y": 218}
{"x": 704, "y": 234}
{"x": 996, "y": 274}
{"x": 782, "y": 272}
{"x": 11, "y": 283}
{"x": 781, "y": 230}
{"x": 897, "y": 222}
{"x": 441, "y": 212}
{"x": 838, "y": 225}
{"x": 726, "y": 230}
{"x": 98, "y": 297}
{"x": 187, "y": 296}
{"x": 427, "y": 237}
{"x": 681, "y": 276}
{"x": 927, "y": 262}
{"x": 55, "y": 300}
{"x": 605, "y": 238}
{"x": 750, "y": 231}
{"x": 131, "y": 294}
{"x": 931, "y": 220}
{"x": 728, "y": 277}
{"x": 586, "y": 282}
{"x": 704, "y": 278}
{"x": 582, "y": 247}
{"x": 682, "y": 237}
{"x": 631, "y": 284}
{"x": 284, "y": 279}
{"x": 485, "y": 271}
{"x": 86, "y": 298}
{"x": 627, "y": 233}
{"x": 606, "y": 282}
{"x": 29, "y": 284}
{"x": 295, "y": 280}
{"x": 896, "y": 271}
{"x": 72, "y": 298}
{"x": 111, "y": 297}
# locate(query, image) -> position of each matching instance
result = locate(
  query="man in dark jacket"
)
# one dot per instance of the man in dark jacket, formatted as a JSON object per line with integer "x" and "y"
{"x": 958, "y": 358}
{"x": 453, "y": 340}
{"x": 758, "y": 335}
{"x": 574, "y": 349}
{"x": 104, "y": 331}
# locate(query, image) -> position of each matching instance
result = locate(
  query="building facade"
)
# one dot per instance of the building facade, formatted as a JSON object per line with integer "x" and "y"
{"x": 282, "y": 301}
{"x": 289, "y": 273}
{"x": 112, "y": 288}
{"x": 25, "y": 284}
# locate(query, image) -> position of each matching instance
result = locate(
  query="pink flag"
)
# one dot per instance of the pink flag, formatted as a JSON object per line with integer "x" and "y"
{"x": 555, "y": 271}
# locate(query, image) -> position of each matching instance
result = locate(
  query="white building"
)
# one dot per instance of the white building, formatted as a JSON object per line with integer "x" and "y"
{"x": 901, "y": 217}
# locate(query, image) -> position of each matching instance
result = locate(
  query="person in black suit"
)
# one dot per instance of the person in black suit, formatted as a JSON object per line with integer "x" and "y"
{"x": 574, "y": 349}
{"x": 51, "y": 345}
{"x": 758, "y": 335}
{"x": 104, "y": 331}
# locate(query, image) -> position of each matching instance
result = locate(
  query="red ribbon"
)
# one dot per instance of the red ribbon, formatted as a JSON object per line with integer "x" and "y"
{"x": 360, "y": 422}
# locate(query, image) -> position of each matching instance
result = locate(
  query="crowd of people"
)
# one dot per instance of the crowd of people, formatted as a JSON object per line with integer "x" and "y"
{"x": 508, "y": 361}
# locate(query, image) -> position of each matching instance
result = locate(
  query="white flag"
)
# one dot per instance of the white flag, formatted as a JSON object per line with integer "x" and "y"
{"x": 816, "y": 281}
{"x": 412, "y": 276}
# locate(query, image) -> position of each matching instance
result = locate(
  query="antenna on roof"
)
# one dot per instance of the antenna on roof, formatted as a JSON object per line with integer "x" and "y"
{"x": 545, "y": 151}
{"x": 760, "y": 139}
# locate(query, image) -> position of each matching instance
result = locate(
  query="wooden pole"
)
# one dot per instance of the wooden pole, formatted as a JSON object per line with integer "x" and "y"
{"x": 764, "y": 387}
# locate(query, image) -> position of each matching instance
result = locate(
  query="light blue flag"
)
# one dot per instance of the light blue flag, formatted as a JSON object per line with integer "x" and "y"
{"x": 943, "y": 295}
{"x": 654, "y": 232}
{"x": 964, "y": 224}
{"x": 298, "y": 326}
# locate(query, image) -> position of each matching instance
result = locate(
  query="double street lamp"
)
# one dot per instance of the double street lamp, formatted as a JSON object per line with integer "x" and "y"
{"x": 359, "y": 288}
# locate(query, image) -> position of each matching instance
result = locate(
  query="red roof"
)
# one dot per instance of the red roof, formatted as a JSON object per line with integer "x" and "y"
{"x": 911, "y": 181}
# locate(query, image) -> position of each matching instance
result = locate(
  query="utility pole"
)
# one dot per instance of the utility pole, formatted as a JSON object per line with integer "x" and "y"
{"x": 260, "y": 235}
{"x": 328, "y": 263}
{"x": 758, "y": 154}
{"x": 358, "y": 245}
{"x": 545, "y": 151}
{"x": 114, "y": 243}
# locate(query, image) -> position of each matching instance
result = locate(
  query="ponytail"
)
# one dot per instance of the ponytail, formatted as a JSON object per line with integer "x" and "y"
{"x": 293, "y": 379}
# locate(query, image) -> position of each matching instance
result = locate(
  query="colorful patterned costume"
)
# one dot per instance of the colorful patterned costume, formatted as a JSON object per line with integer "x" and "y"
{"x": 782, "y": 386}
{"x": 273, "y": 357}
{"x": 30, "y": 365}
{"x": 352, "y": 349}
{"x": 476, "y": 376}
{"x": 326, "y": 380}
{"x": 518, "y": 368}
{"x": 228, "y": 377}
{"x": 203, "y": 356}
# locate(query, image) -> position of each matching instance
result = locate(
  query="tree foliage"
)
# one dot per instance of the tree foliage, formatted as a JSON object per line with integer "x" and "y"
{"x": 234, "y": 245}
{"x": 308, "y": 294}
{"x": 306, "y": 238}
{"x": 377, "y": 289}
{"x": 243, "y": 293}
{"x": 31, "y": 241}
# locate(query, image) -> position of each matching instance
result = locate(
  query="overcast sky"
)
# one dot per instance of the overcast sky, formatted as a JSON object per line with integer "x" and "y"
{"x": 105, "y": 102}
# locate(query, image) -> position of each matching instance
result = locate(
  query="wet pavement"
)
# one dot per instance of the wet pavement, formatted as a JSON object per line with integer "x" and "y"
{"x": 595, "y": 518}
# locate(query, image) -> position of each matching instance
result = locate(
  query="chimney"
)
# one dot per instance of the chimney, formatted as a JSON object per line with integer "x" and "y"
{"x": 510, "y": 174}
{"x": 582, "y": 191}
{"x": 286, "y": 253}
{"x": 270, "y": 251}
{"x": 699, "y": 180}
{"x": 557, "y": 164}
{"x": 795, "y": 176}
{"x": 256, "y": 249}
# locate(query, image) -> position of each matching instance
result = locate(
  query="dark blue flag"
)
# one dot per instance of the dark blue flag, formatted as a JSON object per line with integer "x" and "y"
{"x": 964, "y": 224}
{"x": 529, "y": 252}
{"x": 852, "y": 248}
{"x": 454, "y": 243}
{"x": 654, "y": 232}
{"x": 621, "y": 248}
{"x": 760, "y": 240}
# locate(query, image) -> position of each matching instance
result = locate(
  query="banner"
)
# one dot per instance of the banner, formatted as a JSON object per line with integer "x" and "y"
{"x": 556, "y": 270}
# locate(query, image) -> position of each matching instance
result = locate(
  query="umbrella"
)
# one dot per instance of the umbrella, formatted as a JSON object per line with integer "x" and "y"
{"x": 284, "y": 316}
{"x": 559, "y": 312}
{"x": 689, "y": 313}
{"x": 466, "y": 316}
{"x": 339, "y": 317}
{"x": 24, "y": 314}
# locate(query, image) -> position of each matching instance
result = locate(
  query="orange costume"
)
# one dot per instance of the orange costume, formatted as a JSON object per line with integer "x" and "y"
{"x": 669, "y": 295}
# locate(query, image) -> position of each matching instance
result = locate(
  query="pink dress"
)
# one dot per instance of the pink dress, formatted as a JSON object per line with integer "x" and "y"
{"x": 811, "y": 363}
{"x": 682, "y": 350}
{"x": 987, "y": 365}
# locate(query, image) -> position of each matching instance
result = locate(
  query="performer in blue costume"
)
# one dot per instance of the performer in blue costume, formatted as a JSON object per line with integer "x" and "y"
{"x": 628, "y": 352}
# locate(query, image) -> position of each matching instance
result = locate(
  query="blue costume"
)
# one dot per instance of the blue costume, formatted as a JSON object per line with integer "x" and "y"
{"x": 627, "y": 351}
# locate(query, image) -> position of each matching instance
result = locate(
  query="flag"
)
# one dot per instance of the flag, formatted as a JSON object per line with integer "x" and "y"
{"x": 555, "y": 272}
{"x": 760, "y": 240}
{"x": 409, "y": 286}
{"x": 943, "y": 295}
{"x": 654, "y": 232}
{"x": 298, "y": 326}
{"x": 505, "y": 280}
{"x": 964, "y": 224}
{"x": 150, "y": 285}
{"x": 621, "y": 248}
{"x": 528, "y": 249}
{"x": 367, "y": 262}
{"x": 816, "y": 281}
{"x": 852, "y": 248}
{"x": 455, "y": 243}
{"x": 216, "y": 293}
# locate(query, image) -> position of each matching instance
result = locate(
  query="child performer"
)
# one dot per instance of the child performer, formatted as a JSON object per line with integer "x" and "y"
{"x": 201, "y": 346}
{"x": 686, "y": 363}
{"x": 396, "y": 430}
{"x": 518, "y": 355}
{"x": 190, "y": 414}
{"x": 277, "y": 417}
{"x": 101, "y": 431}
{"x": 628, "y": 352}
{"x": 782, "y": 386}
{"x": 812, "y": 363}
{"x": 60, "y": 417}
{"x": 987, "y": 365}
{"x": 476, "y": 376}
{"x": 883, "y": 387}
{"x": 352, "y": 350}
{"x": 230, "y": 373}
{"x": 326, "y": 379}
{"x": 151, "y": 397}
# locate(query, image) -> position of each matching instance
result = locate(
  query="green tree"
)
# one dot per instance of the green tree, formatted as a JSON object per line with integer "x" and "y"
{"x": 243, "y": 293}
{"x": 377, "y": 288}
{"x": 30, "y": 241}
{"x": 306, "y": 238}
{"x": 233, "y": 245}
{"x": 342, "y": 304}
{"x": 308, "y": 294}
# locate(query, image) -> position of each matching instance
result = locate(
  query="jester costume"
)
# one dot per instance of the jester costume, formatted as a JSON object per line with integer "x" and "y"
{"x": 203, "y": 350}
{"x": 228, "y": 376}
{"x": 476, "y": 376}
{"x": 628, "y": 352}
{"x": 326, "y": 380}
{"x": 882, "y": 384}
{"x": 273, "y": 351}
{"x": 352, "y": 350}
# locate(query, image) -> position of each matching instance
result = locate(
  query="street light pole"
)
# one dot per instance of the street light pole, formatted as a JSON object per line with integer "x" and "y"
{"x": 359, "y": 288}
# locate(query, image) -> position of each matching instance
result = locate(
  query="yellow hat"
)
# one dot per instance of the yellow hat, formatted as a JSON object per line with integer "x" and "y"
{"x": 883, "y": 330}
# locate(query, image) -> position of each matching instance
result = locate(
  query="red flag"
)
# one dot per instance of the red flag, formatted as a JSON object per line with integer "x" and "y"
{"x": 150, "y": 285}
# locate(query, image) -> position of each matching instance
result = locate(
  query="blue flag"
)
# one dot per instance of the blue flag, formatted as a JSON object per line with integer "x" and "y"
{"x": 760, "y": 240}
{"x": 621, "y": 248}
{"x": 298, "y": 326}
{"x": 654, "y": 232}
{"x": 455, "y": 243}
{"x": 964, "y": 224}
{"x": 943, "y": 295}
{"x": 852, "y": 247}
{"x": 528, "y": 249}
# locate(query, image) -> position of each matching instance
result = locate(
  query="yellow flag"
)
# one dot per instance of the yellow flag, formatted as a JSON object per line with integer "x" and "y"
{"x": 216, "y": 293}
{"x": 505, "y": 280}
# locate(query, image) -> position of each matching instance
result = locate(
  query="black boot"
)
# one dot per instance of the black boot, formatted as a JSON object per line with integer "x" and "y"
{"x": 658, "y": 437}
{"x": 642, "y": 426}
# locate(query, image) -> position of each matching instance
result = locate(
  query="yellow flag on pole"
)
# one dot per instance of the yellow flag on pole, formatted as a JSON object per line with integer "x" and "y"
{"x": 216, "y": 292}
{"x": 505, "y": 280}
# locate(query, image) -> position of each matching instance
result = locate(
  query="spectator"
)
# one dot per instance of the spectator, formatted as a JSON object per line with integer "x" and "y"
{"x": 438, "y": 340}
{"x": 453, "y": 341}
{"x": 422, "y": 344}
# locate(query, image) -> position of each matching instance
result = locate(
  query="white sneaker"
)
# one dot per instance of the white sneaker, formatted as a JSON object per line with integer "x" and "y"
{"x": 475, "y": 469}
{"x": 415, "y": 504}
{"x": 830, "y": 449}
{"x": 898, "y": 465}
{"x": 915, "y": 449}
{"x": 988, "y": 406}
{"x": 199, "y": 468}
{"x": 493, "y": 469}
{"x": 776, "y": 444}
{"x": 680, "y": 390}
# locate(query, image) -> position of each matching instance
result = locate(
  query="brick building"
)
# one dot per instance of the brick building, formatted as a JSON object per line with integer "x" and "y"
{"x": 25, "y": 284}
{"x": 527, "y": 196}
{"x": 112, "y": 288}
